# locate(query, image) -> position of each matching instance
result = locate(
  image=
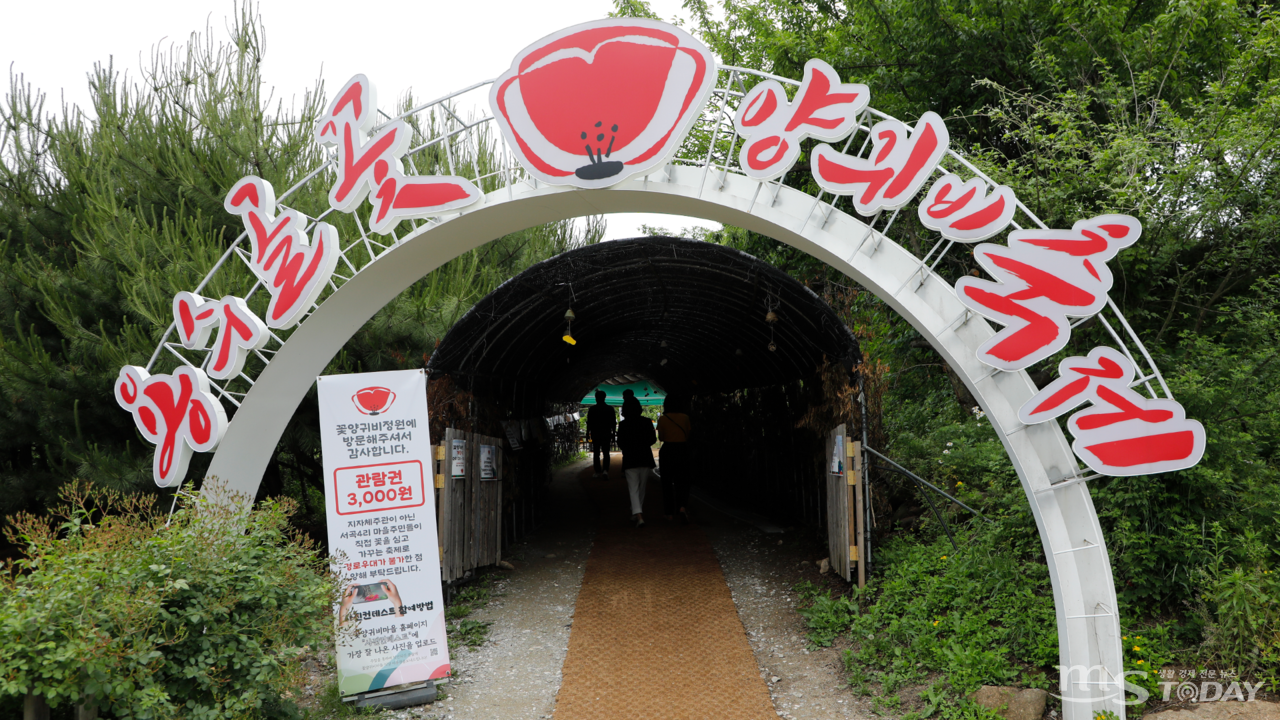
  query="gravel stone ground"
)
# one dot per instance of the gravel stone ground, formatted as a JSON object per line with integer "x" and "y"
{"x": 761, "y": 570}
{"x": 516, "y": 674}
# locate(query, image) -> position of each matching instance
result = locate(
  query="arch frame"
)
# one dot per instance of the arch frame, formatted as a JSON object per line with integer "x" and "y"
{"x": 703, "y": 180}
{"x": 1079, "y": 566}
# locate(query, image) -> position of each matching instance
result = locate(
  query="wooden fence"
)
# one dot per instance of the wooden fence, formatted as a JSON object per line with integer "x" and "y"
{"x": 845, "y": 506}
{"x": 468, "y": 506}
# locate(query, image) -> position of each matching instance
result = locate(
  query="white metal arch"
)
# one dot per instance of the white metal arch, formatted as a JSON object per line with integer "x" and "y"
{"x": 1084, "y": 595}
{"x": 702, "y": 182}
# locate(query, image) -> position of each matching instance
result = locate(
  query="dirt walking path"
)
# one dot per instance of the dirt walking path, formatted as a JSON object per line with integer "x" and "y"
{"x": 655, "y": 631}
{"x": 518, "y": 673}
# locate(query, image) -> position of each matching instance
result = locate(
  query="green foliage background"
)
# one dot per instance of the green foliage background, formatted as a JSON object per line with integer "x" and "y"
{"x": 104, "y": 216}
{"x": 204, "y": 614}
{"x": 1169, "y": 111}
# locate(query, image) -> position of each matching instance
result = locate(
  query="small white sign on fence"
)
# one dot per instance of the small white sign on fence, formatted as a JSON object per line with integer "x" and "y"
{"x": 487, "y": 455}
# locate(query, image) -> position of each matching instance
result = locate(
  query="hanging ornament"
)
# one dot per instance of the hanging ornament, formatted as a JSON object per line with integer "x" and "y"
{"x": 568, "y": 333}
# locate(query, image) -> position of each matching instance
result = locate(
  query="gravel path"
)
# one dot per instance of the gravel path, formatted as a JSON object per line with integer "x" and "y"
{"x": 516, "y": 674}
{"x": 761, "y": 570}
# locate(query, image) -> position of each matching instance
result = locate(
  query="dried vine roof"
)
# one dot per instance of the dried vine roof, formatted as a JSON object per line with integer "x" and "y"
{"x": 688, "y": 315}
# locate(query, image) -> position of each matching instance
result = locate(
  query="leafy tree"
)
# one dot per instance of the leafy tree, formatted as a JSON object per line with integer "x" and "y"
{"x": 105, "y": 214}
{"x": 1168, "y": 111}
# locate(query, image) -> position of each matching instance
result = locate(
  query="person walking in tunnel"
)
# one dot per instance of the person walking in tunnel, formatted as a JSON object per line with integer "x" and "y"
{"x": 635, "y": 439}
{"x": 601, "y": 424}
{"x": 675, "y": 430}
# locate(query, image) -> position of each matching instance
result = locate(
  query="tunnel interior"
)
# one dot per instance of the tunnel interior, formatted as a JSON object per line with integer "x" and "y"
{"x": 766, "y": 361}
{"x": 693, "y": 317}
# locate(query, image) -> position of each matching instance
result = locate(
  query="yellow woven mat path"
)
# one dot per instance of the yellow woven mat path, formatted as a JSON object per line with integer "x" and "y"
{"x": 655, "y": 632}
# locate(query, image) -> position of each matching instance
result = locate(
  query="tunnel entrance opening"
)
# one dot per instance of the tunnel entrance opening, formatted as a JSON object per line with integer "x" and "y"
{"x": 768, "y": 363}
{"x": 693, "y": 317}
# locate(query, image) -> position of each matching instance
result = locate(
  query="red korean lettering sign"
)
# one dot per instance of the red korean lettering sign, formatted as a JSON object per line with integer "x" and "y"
{"x": 1122, "y": 432}
{"x": 176, "y": 413}
{"x": 370, "y": 166}
{"x": 900, "y": 161}
{"x": 964, "y": 211}
{"x": 1043, "y": 278}
{"x": 239, "y": 331}
{"x": 824, "y": 108}
{"x": 293, "y": 268}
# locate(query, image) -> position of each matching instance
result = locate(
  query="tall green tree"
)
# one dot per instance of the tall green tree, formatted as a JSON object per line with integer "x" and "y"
{"x": 107, "y": 212}
{"x": 1168, "y": 111}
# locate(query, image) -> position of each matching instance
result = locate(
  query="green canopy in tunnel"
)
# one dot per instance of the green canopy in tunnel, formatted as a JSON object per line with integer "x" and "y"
{"x": 647, "y": 393}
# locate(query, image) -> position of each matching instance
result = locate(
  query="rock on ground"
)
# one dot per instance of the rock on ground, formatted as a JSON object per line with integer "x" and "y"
{"x": 1012, "y": 703}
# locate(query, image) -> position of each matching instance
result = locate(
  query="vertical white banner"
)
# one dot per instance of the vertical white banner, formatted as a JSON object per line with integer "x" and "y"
{"x": 380, "y": 500}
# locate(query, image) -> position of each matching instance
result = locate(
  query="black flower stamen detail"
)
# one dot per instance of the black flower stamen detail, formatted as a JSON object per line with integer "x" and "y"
{"x": 597, "y": 168}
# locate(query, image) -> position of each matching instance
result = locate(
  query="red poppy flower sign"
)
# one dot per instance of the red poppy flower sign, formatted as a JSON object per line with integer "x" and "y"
{"x": 597, "y": 103}
{"x": 373, "y": 400}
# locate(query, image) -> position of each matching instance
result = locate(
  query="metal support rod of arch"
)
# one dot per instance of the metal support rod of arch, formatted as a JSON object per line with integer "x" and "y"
{"x": 922, "y": 481}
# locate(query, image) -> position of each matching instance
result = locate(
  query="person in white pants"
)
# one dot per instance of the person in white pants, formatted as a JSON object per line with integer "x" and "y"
{"x": 636, "y": 438}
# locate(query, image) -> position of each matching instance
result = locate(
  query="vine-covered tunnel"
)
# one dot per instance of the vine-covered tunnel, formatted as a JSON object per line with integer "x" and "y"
{"x": 767, "y": 362}
{"x": 695, "y": 317}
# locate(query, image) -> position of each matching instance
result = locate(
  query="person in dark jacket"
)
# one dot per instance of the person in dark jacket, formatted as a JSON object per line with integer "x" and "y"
{"x": 601, "y": 423}
{"x": 635, "y": 439}
{"x": 675, "y": 430}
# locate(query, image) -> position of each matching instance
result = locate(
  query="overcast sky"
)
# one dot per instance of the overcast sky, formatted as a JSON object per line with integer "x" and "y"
{"x": 429, "y": 46}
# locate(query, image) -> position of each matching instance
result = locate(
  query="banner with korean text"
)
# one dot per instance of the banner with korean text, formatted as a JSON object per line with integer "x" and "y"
{"x": 382, "y": 531}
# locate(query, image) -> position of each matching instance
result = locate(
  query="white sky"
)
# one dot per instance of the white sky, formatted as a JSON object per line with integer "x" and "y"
{"x": 431, "y": 46}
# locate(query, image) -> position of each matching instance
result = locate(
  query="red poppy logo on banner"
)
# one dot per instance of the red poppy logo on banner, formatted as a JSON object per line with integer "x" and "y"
{"x": 597, "y": 103}
{"x": 373, "y": 400}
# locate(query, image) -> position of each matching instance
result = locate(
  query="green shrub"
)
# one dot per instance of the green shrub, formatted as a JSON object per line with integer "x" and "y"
{"x": 200, "y": 617}
{"x": 1242, "y": 603}
{"x": 825, "y": 616}
{"x": 461, "y": 631}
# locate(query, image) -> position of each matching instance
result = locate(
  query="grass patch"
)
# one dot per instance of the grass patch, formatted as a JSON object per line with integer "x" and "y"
{"x": 464, "y": 632}
{"x": 569, "y": 460}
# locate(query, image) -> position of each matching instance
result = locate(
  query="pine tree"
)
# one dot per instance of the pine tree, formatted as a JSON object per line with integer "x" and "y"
{"x": 106, "y": 214}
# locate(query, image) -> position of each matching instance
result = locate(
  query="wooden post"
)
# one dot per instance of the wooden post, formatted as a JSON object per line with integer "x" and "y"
{"x": 438, "y": 460}
{"x": 35, "y": 708}
{"x": 853, "y": 472}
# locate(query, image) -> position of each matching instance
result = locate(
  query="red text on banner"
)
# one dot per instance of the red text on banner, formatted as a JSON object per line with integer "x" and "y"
{"x": 377, "y": 488}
